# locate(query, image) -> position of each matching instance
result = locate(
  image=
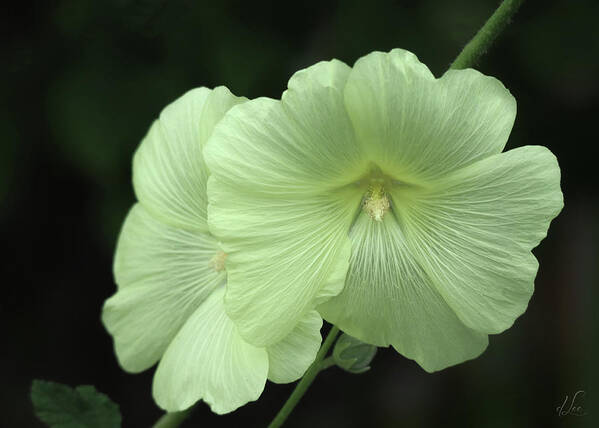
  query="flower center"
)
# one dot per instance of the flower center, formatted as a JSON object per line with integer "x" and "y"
{"x": 376, "y": 203}
{"x": 218, "y": 261}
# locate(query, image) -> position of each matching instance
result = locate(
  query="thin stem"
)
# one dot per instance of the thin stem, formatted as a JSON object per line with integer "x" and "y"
{"x": 172, "y": 420}
{"x": 306, "y": 381}
{"x": 485, "y": 37}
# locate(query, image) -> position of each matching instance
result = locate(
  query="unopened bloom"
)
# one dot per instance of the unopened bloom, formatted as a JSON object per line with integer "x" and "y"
{"x": 171, "y": 274}
{"x": 380, "y": 195}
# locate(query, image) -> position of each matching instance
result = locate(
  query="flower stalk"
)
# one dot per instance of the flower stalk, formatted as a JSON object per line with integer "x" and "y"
{"x": 485, "y": 37}
{"x": 306, "y": 380}
{"x": 172, "y": 420}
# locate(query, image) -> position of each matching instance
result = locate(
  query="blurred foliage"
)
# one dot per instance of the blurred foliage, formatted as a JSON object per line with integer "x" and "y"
{"x": 7, "y": 153}
{"x": 82, "y": 82}
{"x": 60, "y": 406}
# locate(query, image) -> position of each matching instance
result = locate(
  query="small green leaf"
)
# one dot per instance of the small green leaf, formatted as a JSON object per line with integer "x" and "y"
{"x": 353, "y": 355}
{"x": 60, "y": 406}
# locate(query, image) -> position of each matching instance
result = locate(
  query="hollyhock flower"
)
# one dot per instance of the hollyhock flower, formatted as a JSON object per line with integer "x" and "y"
{"x": 171, "y": 275}
{"x": 380, "y": 195}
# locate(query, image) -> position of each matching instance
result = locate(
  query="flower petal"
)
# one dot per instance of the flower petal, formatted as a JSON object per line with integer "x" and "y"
{"x": 209, "y": 361}
{"x": 283, "y": 257}
{"x": 294, "y": 146}
{"x": 416, "y": 127}
{"x": 389, "y": 300}
{"x": 278, "y": 204}
{"x": 290, "y": 358}
{"x": 163, "y": 275}
{"x": 169, "y": 174}
{"x": 473, "y": 232}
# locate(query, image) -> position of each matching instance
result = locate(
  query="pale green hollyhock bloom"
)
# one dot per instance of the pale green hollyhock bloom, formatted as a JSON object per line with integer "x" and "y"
{"x": 171, "y": 276}
{"x": 395, "y": 178}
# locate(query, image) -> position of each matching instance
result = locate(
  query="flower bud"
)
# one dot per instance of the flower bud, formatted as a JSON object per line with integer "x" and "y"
{"x": 353, "y": 355}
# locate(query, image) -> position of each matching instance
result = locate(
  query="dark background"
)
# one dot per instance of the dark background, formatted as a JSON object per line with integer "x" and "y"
{"x": 81, "y": 82}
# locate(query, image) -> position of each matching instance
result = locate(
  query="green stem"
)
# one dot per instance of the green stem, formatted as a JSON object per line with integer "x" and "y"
{"x": 485, "y": 37}
{"x": 306, "y": 381}
{"x": 172, "y": 420}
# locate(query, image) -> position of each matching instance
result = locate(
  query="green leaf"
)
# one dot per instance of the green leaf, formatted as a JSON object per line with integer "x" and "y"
{"x": 61, "y": 406}
{"x": 353, "y": 355}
